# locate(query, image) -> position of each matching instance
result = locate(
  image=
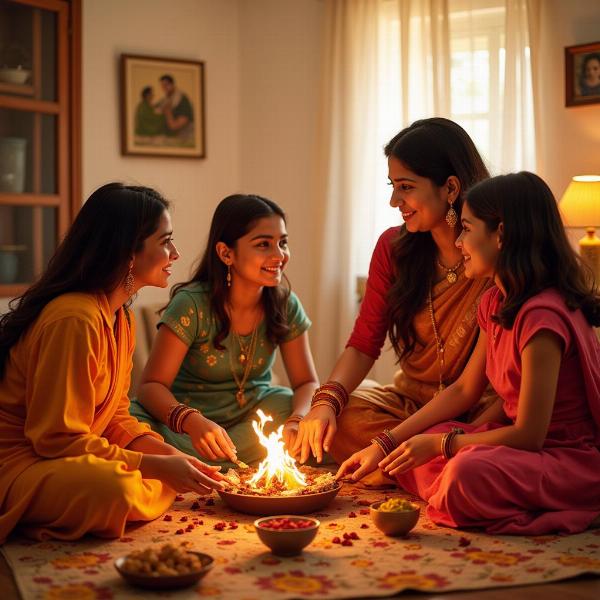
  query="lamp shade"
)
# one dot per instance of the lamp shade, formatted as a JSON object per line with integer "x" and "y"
{"x": 580, "y": 204}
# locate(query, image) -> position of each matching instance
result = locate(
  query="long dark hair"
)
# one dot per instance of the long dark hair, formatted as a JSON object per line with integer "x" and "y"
{"x": 536, "y": 253}
{"x": 234, "y": 217}
{"x": 434, "y": 148}
{"x": 93, "y": 257}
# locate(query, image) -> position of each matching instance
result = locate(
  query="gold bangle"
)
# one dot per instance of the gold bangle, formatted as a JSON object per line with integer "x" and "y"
{"x": 293, "y": 418}
{"x": 325, "y": 403}
{"x": 184, "y": 417}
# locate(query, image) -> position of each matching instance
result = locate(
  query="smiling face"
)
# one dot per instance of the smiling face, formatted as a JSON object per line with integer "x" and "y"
{"x": 423, "y": 205}
{"x": 592, "y": 72}
{"x": 152, "y": 264}
{"x": 260, "y": 256}
{"x": 480, "y": 247}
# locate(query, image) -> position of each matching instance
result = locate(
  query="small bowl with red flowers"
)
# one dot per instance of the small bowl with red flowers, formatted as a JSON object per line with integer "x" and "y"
{"x": 286, "y": 535}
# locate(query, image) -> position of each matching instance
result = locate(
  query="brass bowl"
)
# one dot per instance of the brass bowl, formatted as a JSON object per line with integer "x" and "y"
{"x": 279, "y": 505}
{"x": 394, "y": 523}
{"x": 166, "y": 582}
{"x": 287, "y": 542}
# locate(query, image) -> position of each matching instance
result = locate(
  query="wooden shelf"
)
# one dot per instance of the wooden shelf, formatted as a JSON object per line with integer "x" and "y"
{"x": 7, "y": 199}
{"x": 31, "y": 105}
{"x": 10, "y": 290}
{"x": 52, "y": 162}
{"x": 14, "y": 88}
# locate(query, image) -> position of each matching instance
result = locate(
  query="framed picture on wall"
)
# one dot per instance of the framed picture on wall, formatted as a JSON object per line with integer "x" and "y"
{"x": 582, "y": 74}
{"x": 162, "y": 107}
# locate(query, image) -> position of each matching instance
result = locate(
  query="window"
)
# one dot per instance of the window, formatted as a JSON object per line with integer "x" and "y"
{"x": 477, "y": 96}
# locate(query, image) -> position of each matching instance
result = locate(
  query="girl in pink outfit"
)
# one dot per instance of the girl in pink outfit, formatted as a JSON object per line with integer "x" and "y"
{"x": 536, "y": 468}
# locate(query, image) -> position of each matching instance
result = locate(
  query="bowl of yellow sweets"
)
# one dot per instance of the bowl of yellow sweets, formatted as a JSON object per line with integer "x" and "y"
{"x": 164, "y": 568}
{"x": 395, "y": 516}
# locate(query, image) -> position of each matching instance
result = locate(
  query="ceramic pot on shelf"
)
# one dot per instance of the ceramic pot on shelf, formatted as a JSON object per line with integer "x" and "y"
{"x": 13, "y": 153}
{"x": 9, "y": 262}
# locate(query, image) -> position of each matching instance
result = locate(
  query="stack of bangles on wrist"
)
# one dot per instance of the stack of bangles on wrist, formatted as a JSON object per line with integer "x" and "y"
{"x": 178, "y": 413}
{"x": 447, "y": 439}
{"x": 331, "y": 394}
{"x": 385, "y": 440}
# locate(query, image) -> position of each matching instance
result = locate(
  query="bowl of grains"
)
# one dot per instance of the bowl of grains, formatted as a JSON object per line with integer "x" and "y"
{"x": 164, "y": 567}
{"x": 395, "y": 516}
{"x": 286, "y": 535}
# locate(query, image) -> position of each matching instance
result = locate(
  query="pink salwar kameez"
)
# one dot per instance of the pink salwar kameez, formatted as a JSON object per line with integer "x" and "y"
{"x": 511, "y": 491}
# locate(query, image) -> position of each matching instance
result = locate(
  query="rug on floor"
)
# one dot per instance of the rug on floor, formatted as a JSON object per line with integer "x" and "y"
{"x": 430, "y": 558}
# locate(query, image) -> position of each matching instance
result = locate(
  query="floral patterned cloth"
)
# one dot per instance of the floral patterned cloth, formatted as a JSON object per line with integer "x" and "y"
{"x": 430, "y": 558}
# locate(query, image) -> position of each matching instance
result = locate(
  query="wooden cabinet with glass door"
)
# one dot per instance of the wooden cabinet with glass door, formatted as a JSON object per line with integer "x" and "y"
{"x": 37, "y": 145}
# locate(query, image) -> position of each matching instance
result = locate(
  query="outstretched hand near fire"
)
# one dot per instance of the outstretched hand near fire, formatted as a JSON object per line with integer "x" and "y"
{"x": 210, "y": 439}
{"x": 315, "y": 433}
{"x": 361, "y": 463}
{"x": 290, "y": 433}
{"x": 181, "y": 472}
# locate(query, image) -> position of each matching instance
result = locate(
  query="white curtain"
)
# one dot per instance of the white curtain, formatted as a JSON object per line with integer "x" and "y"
{"x": 386, "y": 64}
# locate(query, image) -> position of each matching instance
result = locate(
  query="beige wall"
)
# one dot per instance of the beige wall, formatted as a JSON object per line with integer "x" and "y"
{"x": 262, "y": 79}
{"x": 280, "y": 47}
{"x": 570, "y": 136}
{"x": 191, "y": 29}
{"x": 262, "y": 69}
{"x": 280, "y": 44}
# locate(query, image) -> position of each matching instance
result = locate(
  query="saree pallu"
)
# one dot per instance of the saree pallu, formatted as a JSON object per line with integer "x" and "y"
{"x": 373, "y": 409}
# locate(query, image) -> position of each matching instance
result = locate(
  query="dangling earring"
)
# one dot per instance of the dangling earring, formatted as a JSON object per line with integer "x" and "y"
{"x": 228, "y": 278}
{"x": 128, "y": 284}
{"x": 451, "y": 216}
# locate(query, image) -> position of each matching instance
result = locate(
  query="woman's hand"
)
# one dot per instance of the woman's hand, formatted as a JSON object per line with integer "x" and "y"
{"x": 412, "y": 453}
{"x": 361, "y": 463}
{"x": 290, "y": 433}
{"x": 315, "y": 433}
{"x": 182, "y": 473}
{"x": 209, "y": 439}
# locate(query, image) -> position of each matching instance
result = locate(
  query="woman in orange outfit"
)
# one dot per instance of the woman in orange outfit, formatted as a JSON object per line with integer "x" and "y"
{"x": 72, "y": 459}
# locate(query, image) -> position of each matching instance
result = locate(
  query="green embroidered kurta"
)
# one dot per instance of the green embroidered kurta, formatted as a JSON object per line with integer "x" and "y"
{"x": 205, "y": 379}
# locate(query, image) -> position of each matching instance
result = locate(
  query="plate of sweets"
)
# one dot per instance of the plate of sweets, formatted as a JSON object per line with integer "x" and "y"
{"x": 164, "y": 567}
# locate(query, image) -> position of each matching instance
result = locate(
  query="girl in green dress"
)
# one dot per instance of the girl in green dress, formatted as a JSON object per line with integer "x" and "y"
{"x": 210, "y": 365}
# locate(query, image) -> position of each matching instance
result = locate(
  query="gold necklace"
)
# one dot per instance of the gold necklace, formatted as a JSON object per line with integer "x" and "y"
{"x": 439, "y": 344}
{"x": 248, "y": 359}
{"x": 244, "y": 349}
{"x": 451, "y": 276}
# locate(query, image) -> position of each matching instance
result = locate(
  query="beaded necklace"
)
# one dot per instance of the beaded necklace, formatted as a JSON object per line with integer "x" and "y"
{"x": 439, "y": 343}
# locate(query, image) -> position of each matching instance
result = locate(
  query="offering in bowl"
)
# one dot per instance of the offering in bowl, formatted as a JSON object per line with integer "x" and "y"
{"x": 286, "y": 535}
{"x": 276, "y": 498}
{"x": 167, "y": 567}
{"x": 277, "y": 485}
{"x": 15, "y": 75}
{"x": 396, "y": 516}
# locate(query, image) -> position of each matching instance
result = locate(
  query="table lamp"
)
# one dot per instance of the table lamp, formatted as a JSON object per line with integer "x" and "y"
{"x": 580, "y": 206}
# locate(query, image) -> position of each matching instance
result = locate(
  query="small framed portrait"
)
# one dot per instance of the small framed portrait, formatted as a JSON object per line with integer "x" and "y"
{"x": 582, "y": 74}
{"x": 162, "y": 107}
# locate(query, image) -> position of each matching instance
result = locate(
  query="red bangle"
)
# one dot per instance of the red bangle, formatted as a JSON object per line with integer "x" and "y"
{"x": 447, "y": 439}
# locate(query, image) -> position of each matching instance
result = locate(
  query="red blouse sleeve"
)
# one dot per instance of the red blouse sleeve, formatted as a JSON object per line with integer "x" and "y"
{"x": 370, "y": 327}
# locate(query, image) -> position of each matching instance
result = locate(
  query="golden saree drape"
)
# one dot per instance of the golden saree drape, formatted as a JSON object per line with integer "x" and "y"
{"x": 372, "y": 409}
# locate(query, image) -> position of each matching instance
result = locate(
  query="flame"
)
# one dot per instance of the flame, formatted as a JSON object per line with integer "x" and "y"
{"x": 278, "y": 464}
